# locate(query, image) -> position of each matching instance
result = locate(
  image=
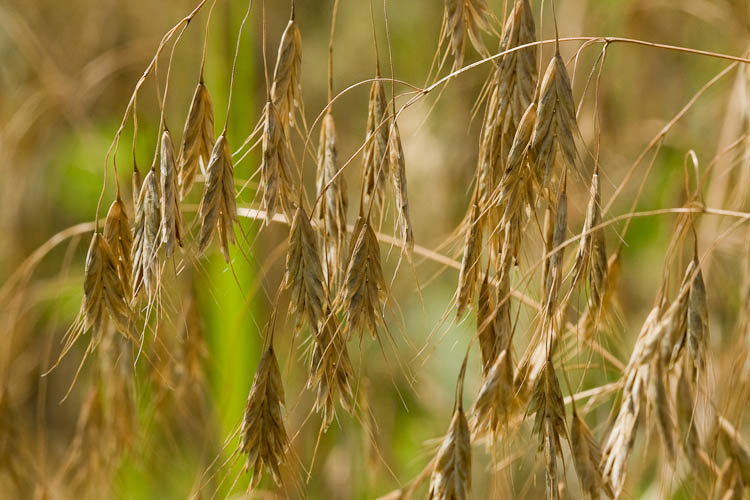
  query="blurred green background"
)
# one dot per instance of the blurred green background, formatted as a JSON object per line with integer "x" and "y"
{"x": 68, "y": 71}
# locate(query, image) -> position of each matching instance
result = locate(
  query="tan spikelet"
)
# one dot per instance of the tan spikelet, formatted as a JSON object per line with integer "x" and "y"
{"x": 332, "y": 373}
{"x": 304, "y": 273}
{"x": 120, "y": 240}
{"x": 286, "y": 90}
{"x": 697, "y": 319}
{"x": 197, "y": 139}
{"x": 684, "y": 398}
{"x": 218, "y": 208}
{"x": 171, "y": 219}
{"x": 146, "y": 237}
{"x": 675, "y": 336}
{"x": 451, "y": 474}
{"x": 364, "y": 289}
{"x": 275, "y": 169}
{"x": 376, "y": 156}
{"x": 333, "y": 201}
{"x": 103, "y": 289}
{"x": 466, "y": 17}
{"x": 556, "y": 126}
{"x": 587, "y": 459}
{"x": 592, "y": 253}
{"x": 263, "y": 435}
{"x": 659, "y": 406}
{"x": 467, "y": 276}
{"x": 549, "y": 422}
{"x": 398, "y": 169}
{"x": 493, "y": 406}
{"x": 554, "y": 276}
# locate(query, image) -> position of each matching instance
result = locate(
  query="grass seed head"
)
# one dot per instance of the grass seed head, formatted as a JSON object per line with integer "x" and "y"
{"x": 286, "y": 89}
{"x": 119, "y": 237}
{"x": 171, "y": 219}
{"x": 197, "y": 139}
{"x": 304, "y": 273}
{"x": 376, "y": 155}
{"x": 146, "y": 237}
{"x": 364, "y": 289}
{"x": 218, "y": 208}
{"x": 263, "y": 435}
{"x": 331, "y": 187}
{"x": 398, "y": 169}
{"x": 451, "y": 475}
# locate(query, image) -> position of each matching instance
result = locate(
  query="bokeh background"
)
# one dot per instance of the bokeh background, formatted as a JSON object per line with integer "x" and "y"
{"x": 68, "y": 70}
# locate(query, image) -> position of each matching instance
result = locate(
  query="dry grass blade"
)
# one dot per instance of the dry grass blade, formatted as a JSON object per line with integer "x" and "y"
{"x": 146, "y": 236}
{"x": 331, "y": 371}
{"x": 451, "y": 475}
{"x": 120, "y": 240}
{"x": 697, "y": 319}
{"x": 197, "y": 139}
{"x": 333, "y": 201}
{"x": 263, "y": 436}
{"x": 218, "y": 208}
{"x": 275, "y": 171}
{"x": 286, "y": 90}
{"x": 587, "y": 459}
{"x": 376, "y": 156}
{"x": 304, "y": 273}
{"x": 556, "y": 127}
{"x": 171, "y": 219}
{"x": 467, "y": 277}
{"x": 364, "y": 289}
{"x": 493, "y": 406}
{"x": 466, "y": 17}
{"x": 398, "y": 169}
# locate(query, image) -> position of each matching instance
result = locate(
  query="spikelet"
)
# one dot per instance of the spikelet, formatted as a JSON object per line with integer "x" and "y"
{"x": 376, "y": 156}
{"x": 275, "y": 172}
{"x": 549, "y": 422}
{"x": 554, "y": 276}
{"x": 304, "y": 273}
{"x": 286, "y": 89}
{"x": 736, "y": 448}
{"x": 120, "y": 240}
{"x": 469, "y": 272}
{"x": 451, "y": 475}
{"x": 466, "y": 17}
{"x": 263, "y": 436}
{"x": 674, "y": 337}
{"x": 146, "y": 236}
{"x": 494, "y": 402}
{"x": 197, "y": 139}
{"x": 493, "y": 321}
{"x": 516, "y": 72}
{"x": 398, "y": 169}
{"x": 556, "y": 125}
{"x": 587, "y": 459}
{"x": 364, "y": 290}
{"x": 729, "y": 485}
{"x": 659, "y": 406}
{"x": 331, "y": 187}
{"x": 592, "y": 253}
{"x": 686, "y": 417}
{"x": 103, "y": 290}
{"x": 512, "y": 91}
{"x": 510, "y": 192}
{"x": 331, "y": 370}
{"x": 594, "y": 313}
{"x": 171, "y": 219}
{"x": 697, "y": 318}
{"x": 218, "y": 208}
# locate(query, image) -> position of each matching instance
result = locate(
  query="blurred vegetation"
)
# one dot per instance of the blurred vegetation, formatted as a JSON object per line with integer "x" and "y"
{"x": 68, "y": 71}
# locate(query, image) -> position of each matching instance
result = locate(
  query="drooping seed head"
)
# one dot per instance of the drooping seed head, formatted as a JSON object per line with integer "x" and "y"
{"x": 171, "y": 218}
{"x": 197, "y": 139}
{"x": 218, "y": 208}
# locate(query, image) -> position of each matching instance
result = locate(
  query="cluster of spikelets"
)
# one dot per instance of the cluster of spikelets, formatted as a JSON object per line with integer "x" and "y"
{"x": 529, "y": 150}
